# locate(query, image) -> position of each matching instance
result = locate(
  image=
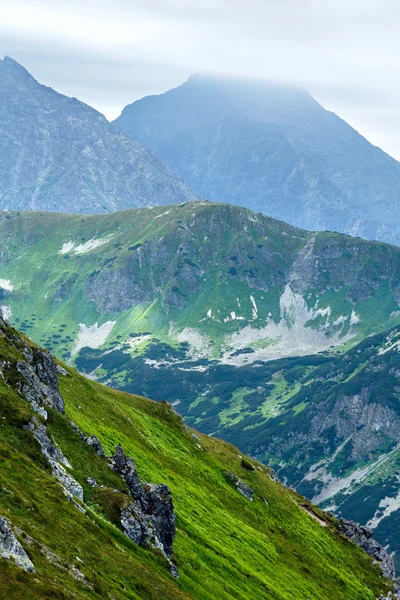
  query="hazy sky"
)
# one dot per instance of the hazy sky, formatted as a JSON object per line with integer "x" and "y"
{"x": 111, "y": 52}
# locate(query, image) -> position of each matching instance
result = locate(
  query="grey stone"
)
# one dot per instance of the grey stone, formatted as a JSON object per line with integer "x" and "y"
{"x": 57, "y": 461}
{"x": 10, "y": 547}
{"x": 150, "y": 519}
{"x": 362, "y": 536}
{"x": 241, "y": 486}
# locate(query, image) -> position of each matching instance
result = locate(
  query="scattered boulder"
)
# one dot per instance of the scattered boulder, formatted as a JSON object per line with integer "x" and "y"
{"x": 10, "y": 547}
{"x": 246, "y": 464}
{"x": 95, "y": 443}
{"x": 241, "y": 486}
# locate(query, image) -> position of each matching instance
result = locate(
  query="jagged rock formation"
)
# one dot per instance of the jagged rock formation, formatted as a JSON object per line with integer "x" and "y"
{"x": 150, "y": 519}
{"x": 40, "y": 388}
{"x": 58, "y": 154}
{"x": 271, "y": 148}
{"x": 10, "y": 547}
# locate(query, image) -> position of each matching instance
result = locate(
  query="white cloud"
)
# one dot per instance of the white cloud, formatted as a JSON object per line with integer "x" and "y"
{"x": 111, "y": 53}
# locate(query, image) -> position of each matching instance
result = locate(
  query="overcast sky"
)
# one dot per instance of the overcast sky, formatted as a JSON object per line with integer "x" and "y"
{"x": 108, "y": 53}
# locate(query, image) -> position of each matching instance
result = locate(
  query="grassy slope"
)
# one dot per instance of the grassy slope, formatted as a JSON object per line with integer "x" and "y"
{"x": 226, "y": 547}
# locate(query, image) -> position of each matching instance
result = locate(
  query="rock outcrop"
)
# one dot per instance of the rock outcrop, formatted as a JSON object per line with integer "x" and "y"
{"x": 362, "y": 536}
{"x": 150, "y": 519}
{"x": 10, "y": 547}
{"x": 57, "y": 461}
{"x": 40, "y": 387}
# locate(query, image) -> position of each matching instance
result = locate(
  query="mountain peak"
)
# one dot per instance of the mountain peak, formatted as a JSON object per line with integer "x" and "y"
{"x": 12, "y": 66}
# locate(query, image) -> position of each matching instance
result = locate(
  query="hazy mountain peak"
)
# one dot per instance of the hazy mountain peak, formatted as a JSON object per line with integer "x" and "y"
{"x": 273, "y": 148}
{"x": 57, "y": 153}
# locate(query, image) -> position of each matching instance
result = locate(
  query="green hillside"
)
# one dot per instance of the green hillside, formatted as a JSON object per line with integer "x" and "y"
{"x": 226, "y": 546}
{"x": 207, "y": 279}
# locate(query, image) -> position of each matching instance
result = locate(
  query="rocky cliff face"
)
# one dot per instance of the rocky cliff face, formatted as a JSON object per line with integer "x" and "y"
{"x": 273, "y": 149}
{"x": 58, "y": 154}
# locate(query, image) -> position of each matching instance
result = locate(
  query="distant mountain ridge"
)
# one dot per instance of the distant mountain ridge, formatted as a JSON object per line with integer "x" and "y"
{"x": 57, "y": 153}
{"x": 274, "y": 149}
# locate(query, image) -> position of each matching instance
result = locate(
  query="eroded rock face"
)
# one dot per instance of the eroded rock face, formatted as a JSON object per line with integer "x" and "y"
{"x": 150, "y": 519}
{"x": 10, "y": 548}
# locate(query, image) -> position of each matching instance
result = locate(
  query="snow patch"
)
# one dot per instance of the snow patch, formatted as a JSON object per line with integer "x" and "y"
{"x": 389, "y": 506}
{"x": 166, "y": 212}
{"x": 92, "y": 336}
{"x": 254, "y": 310}
{"x": 291, "y": 336}
{"x": 66, "y": 247}
{"x": 354, "y": 319}
{"x": 6, "y": 312}
{"x": 85, "y": 247}
{"x": 92, "y": 244}
{"x": 6, "y": 284}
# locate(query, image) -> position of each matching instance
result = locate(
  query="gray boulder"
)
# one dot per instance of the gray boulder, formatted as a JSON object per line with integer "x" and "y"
{"x": 241, "y": 486}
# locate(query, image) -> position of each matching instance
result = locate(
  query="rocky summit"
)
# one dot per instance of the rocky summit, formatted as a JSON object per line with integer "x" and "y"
{"x": 274, "y": 149}
{"x": 57, "y": 153}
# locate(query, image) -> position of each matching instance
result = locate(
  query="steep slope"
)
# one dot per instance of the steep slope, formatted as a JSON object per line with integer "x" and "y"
{"x": 330, "y": 425}
{"x": 273, "y": 149}
{"x": 63, "y": 531}
{"x": 57, "y": 153}
{"x": 208, "y": 280}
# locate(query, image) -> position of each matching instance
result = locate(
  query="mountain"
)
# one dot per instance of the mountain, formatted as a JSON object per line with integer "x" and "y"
{"x": 271, "y": 148}
{"x": 57, "y": 153}
{"x": 78, "y": 521}
{"x": 229, "y": 315}
{"x": 210, "y": 280}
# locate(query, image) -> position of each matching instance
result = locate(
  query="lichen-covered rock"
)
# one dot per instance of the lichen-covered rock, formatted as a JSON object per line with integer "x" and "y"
{"x": 125, "y": 466}
{"x": 241, "y": 486}
{"x": 10, "y": 547}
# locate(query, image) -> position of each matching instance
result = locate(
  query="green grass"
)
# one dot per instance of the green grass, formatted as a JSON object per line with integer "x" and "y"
{"x": 226, "y": 547}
